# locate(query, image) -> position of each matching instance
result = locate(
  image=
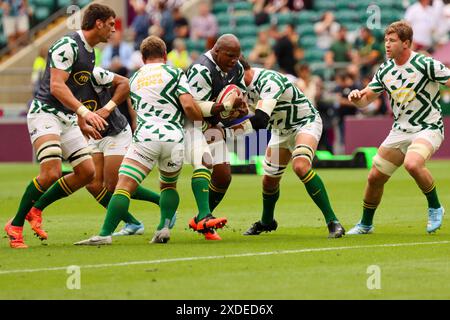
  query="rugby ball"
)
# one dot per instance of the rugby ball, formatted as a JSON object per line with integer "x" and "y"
{"x": 226, "y": 92}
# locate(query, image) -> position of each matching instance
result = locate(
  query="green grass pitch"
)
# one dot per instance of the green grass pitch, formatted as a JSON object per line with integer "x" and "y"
{"x": 295, "y": 262}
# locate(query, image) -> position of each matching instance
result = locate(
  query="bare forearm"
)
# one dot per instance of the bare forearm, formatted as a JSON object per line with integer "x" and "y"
{"x": 362, "y": 98}
{"x": 193, "y": 113}
{"x": 121, "y": 93}
{"x": 131, "y": 110}
{"x": 61, "y": 92}
{"x": 365, "y": 100}
{"x": 209, "y": 108}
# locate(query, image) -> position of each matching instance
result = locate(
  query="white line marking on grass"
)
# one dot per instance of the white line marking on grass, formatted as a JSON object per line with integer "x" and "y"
{"x": 241, "y": 255}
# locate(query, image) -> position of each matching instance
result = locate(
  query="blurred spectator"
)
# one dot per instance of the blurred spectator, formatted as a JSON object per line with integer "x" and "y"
{"x": 153, "y": 11}
{"x": 261, "y": 15}
{"x": 274, "y": 6}
{"x": 16, "y": 22}
{"x": 181, "y": 24}
{"x": 368, "y": 52}
{"x": 446, "y": 14}
{"x": 262, "y": 53}
{"x": 204, "y": 25}
{"x": 140, "y": 24}
{"x": 38, "y": 69}
{"x": 308, "y": 83}
{"x": 425, "y": 21}
{"x": 155, "y": 30}
{"x": 326, "y": 30}
{"x": 287, "y": 51}
{"x": 179, "y": 57}
{"x": 325, "y": 106}
{"x": 195, "y": 55}
{"x": 135, "y": 62}
{"x": 377, "y": 107}
{"x": 353, "y": 70}
{"x": 167, "y": 25}
{"x": 117, "y": 54}
{"x": 172, "y": 4}
{"x": 296, "y": 5}
{"x": 340, "y": 50}
{"x": 344, "y": 85}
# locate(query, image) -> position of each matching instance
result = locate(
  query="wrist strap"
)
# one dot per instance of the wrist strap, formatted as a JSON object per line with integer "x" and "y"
{"x": 82, "y": 111}
{"x": 110, "y": 106}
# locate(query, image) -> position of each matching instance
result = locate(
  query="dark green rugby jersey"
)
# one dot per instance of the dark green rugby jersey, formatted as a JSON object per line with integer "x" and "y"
{"x": 73, "y": 55}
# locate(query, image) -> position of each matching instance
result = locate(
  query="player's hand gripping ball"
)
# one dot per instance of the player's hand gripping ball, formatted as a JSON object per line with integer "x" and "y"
{"x": 232, "y": 94}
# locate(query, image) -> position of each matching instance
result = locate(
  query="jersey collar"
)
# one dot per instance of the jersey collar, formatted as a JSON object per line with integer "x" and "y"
{"x": 411, "y": 56}
{"x": 86, "y": 44}
{"x": 209, "y": 56}
{"x": 255, "y": 78}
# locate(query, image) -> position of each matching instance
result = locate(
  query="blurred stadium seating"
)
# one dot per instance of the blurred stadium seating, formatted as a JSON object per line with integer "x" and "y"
{"x": 238, "y": 18}
{"x": 41, "y": 11}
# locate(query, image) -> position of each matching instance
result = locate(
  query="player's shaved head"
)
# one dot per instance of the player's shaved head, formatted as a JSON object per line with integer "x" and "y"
{"x": 226, "y": 52}
{"x": 227, "y": 41}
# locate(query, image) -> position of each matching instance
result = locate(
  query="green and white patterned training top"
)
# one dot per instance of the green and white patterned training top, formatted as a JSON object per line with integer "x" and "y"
{"x": 154, "y": 92}
{"x": 292, "y": 110}
{"x": 413, "y": 90}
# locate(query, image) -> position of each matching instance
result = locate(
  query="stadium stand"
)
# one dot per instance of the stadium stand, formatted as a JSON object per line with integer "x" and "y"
{"x": 43, "y": 13}
{"x": 238, "y": 17}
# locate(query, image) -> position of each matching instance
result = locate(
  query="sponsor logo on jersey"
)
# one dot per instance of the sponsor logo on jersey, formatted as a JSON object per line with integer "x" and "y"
{"x": 82, "y": 77}
{"x": 403, "y": 95}
{"x": 149, "y": 80}
{"x": 90, "y": 104}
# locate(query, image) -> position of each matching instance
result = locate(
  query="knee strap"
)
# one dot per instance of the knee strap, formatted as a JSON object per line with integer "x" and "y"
{"x": 273, "y": 170}
{"x": 384, "y": 166}
{"x": 303, "y": 151}
{"x": 79, "y": 156}
{"x": 50, "y": 150}
{"x": 421, "y": 149}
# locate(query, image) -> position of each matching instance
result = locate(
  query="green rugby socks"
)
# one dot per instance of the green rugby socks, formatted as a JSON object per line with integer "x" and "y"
{"x": 316, "y": 190}
{"x": 200, "y": 188}
{"x": 32, "y": 194}
{"x": 270, "y": 198}
{"x": 117, "y": 209}
{"x": 432, "y": 198}
{"x": 168, "y": 206}
{"x": 104, "y": 197}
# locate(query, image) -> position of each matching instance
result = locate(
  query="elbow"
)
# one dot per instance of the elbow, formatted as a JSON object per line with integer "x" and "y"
{"x": 54, "y": 88}
{"x": 124, "y": 83}
{"x": 125, "y": 88}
